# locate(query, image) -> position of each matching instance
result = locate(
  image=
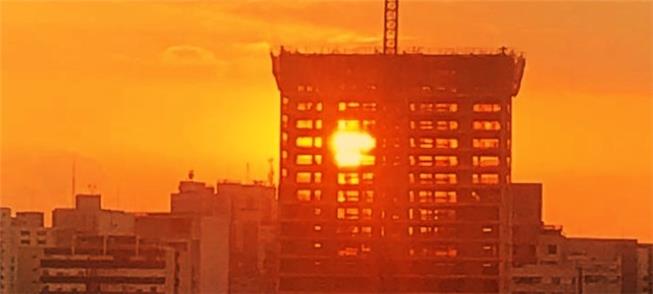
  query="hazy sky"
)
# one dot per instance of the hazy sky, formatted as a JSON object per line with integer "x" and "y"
{"x": 140, "y": 92}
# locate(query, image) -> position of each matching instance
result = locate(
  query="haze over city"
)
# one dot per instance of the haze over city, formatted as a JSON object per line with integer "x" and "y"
{"x": 137, "y": 93}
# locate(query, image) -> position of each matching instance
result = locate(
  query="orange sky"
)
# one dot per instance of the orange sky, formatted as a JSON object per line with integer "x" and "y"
{"x": 140, "y": 92}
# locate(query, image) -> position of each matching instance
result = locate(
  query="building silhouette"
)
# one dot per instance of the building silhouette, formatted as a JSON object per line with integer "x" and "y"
{"x": 395, "y": 171}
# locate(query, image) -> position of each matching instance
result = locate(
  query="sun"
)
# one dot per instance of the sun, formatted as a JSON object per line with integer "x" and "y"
{"x": 351, "y": 145}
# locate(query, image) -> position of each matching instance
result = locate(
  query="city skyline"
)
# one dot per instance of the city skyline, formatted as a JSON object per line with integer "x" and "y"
{"x": 125, "y": 151}
{"x": 236, "y": 229}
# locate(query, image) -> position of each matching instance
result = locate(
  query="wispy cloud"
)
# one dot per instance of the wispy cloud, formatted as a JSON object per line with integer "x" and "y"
{"x": 188, "y": 55}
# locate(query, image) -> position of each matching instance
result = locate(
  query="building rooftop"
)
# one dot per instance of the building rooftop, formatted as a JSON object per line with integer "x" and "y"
{"x": 409, "y": 51}
{"x": 453, "y": 74}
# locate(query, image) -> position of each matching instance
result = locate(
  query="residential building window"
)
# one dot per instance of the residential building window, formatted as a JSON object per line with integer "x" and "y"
{"x": 552, "y": 249}
{"x": 487, "y": 125}
{"x": 487, "y": 107}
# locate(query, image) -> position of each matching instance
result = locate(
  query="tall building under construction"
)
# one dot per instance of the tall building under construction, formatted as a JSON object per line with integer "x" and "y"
{"x": 395, "y": 171}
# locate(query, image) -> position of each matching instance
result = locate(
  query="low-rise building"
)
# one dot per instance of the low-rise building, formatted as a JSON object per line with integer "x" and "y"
{"x": 526, "y": 222}
{"x": 8, "y": 252}
{"x": 201, "y": 221}
{"x": 89, "y": 218}
{"x": 201, "y": 241}
{"x": 645, "y": 268}
{"x": 546, "y": 261}
{"x": 544, "y": 279}
{"x": 110, "y": 264}
{"x": 253, "y": 237}
{"x": 607, "y": 264}
{"x": 22, "y": 239}
{"x": 567, "y": 265}
{"x": 232, "y": 231}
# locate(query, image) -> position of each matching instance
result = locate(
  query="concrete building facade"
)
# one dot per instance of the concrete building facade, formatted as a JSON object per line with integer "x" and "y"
{"x": 645, "y": 268}
{"x": 603, "y": 252}
{"x": 22, "y": 239}
{"x": 526, "y": 222}
{"x": 253, "y": 251}
{"x": 110, "y": 264}
{"x": 546, "y": 261}
{"x": 8, "y": 252}
{"x": 195, "y": 198}
{"x": 202, "y": 242}
{"x": 89, "y": 218}
{"x": 573, "y": 265}
{"x": 231, "y": 234}
{"x": 183, "y": 234}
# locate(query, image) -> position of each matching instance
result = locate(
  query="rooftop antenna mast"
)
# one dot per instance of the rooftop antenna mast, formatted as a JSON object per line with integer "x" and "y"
{"x": 390, "y": 26}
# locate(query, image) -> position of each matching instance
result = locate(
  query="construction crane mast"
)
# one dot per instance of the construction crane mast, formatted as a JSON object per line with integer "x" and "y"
{"x": 390, "y": 26}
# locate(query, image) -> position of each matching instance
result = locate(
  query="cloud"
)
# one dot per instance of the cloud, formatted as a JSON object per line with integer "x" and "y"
{"x": 188, "y": 56}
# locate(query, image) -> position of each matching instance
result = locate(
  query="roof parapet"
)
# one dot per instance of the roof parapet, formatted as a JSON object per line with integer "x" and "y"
{"x": 409, "y": 51}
